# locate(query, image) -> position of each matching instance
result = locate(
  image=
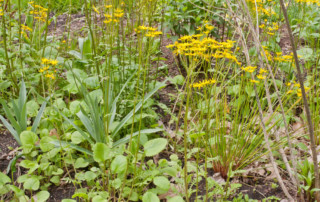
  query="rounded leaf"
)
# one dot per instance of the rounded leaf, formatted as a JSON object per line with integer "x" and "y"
{"x": 81, "y": 163}
{"x": 119, "y": 164}
{"x": 28, "y": 138}
{"x": 101, "y": 152}
{"x": 150, "y": 197}
{"x": 176, "y": 199}
{"x": 42, "y": 196}
{"x": 155, "y": 146}
{"x": 162, "y": 182}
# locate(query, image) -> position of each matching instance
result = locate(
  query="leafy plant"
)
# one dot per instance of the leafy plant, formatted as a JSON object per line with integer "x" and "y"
{"x": 18, "y": 114}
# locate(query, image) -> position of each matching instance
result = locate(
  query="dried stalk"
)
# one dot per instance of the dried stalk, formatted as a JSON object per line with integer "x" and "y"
{"x": 305, "y": 103}
{"x": 239, "y": 30}
{"x": 259, "y": 46}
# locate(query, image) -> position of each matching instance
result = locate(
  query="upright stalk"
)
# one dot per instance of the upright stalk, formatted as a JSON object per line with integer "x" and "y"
{"x": 305, "y": 103}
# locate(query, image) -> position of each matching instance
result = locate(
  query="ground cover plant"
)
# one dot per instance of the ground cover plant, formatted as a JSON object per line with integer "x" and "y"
{"x": 159, "y": 100}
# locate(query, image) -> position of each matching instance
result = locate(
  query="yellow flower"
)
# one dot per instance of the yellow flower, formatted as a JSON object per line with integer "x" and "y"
{"x": 108, "y": 6}
{"x": 254, "y": 81}
{"x": 95, "y": 9}
{"x": 261, "y": 77}
{"x": 249, "y": 69}
{"x": 203, "y": 83}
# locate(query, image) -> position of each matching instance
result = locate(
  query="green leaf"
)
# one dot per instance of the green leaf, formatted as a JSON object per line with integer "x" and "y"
{"x": 162, "y": 182}
{"x": 4, "y": 179}
{"x": 75, "y": 106}
{"x": 32, "y": 108}
{"x": 13, "y": 132}
{"x": 42, "y": 196}
{"x": 155, "y": 146}
{"x": 89, "y": 176}
{"x": 45, "y": 143}
{"x": 150, "y": 197}
{"x": 179, "y": 79}
{"x": 119, "y": 164}
{"x": 68, "y": 144}
{"x": 32, "y": 183}
{"x": 55, "y": 180}
{"x": 138, "y": 106}
{"x": 28, "y": 137}
{"x": 99, "y": 199}
{"x": 81, "y": 163}
{"x": 77, "y": 138}
{"x": 68, "y": 200}
{"x": 176, "y": 199}
{"x": 127, "y": 137}
{"x": 305, "y": 53}
{"x": 101, "y": 152}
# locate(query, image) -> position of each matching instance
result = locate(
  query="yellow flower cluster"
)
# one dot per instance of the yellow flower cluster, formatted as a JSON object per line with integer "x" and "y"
{"x": 308, "y": 2}
{"x": 260, "y": 76}
{"x": 95, "y": 9}
{"x": 203, "y": 83}
{"x": 46, "y": 69}
{"x": 118, "y": 13}
{"x": 1, "y": 10}
{"x": 148, "y": 31}
{"x": 24, "y": 30}
{"x": 38, "y": 12}
{"x": 295, "y": 88}
{"x": 205, "y": 48}
{"x": 46, "y": 61}
{"x": 206, "y": 29}
{"x": 267, "y": 52}
{"x": 249, "y": 69}
{"x": 270, "y": 30}
{"x": 284, "y": 58}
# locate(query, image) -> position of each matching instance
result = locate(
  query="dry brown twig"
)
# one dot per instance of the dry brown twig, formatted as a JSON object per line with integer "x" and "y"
{"x": 305, "y": 102}
{"x": 258, "y": 45}
{"x": 266, "y": 137}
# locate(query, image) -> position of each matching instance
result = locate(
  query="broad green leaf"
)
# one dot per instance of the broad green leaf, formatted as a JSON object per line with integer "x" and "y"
{"x": 150, "y": 197}
{"x": 32, "y": 183}
{"x": 119, "y": 164}
{"x": 42, "y": 196}
{"x": 162, "y": 182}
{"x": 99, "y": 199}
{"x": 77, "y": 138}
{"x": 45, "y": 143}
{"x": 28, "y": 138}
{"x": 89, "y": 176}
{"x": 32, "y": 108}
{"x": 4, "y": 179}
{"x": 68, "y": 200}
{"x": 155, "y": 146}
{"x": 176, "y": 199}
{"x": 75, "y": 106}
{"x": 81, "y": 163}
{"x": 101, "y": 152}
